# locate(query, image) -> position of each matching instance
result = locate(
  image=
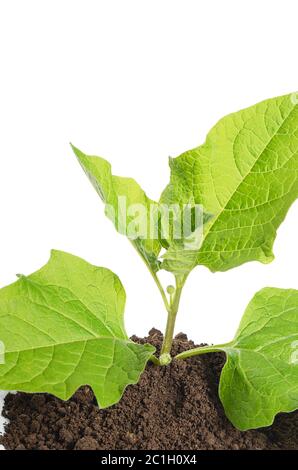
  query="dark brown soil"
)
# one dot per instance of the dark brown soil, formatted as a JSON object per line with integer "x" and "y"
{"x": 174, "y": 407}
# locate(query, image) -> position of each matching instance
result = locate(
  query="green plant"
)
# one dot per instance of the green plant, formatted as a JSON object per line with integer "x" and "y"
{"x": 62, "y": 327}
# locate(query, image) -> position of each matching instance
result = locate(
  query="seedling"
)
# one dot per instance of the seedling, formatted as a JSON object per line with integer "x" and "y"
{"x": 62, "y": 327}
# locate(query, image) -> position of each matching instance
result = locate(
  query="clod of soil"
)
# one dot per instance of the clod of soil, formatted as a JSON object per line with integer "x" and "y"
{"x": 173, "y": 407}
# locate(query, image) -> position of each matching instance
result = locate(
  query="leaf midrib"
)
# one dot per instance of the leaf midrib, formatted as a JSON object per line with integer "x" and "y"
{"x": 245, "y": 177}
{"x": 60, "y": 343}
{"x": 96, "y": 317}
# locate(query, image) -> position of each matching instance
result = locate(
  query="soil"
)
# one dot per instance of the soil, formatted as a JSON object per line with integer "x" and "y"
{"x": 174, "y": 407}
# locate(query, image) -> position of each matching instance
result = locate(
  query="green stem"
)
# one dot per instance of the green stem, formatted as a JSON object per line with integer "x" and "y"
{"x": 154, "y": 360}
{"x": 155, "y": 277}
{"x": 161, "y": 290}
{"x": 165, "y": 355}
{"x": 172, "y": 309}
{"x": 203, "y": 350}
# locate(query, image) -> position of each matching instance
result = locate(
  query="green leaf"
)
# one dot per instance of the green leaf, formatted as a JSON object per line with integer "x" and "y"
{"x": 181, "y": 254}
{"x": 244, "y": 177}
{"x": 245, "y": 174}
{"x": 125, "y": 201}
{"x": 62, "y": 327}
{"x": 122, "y": 195}
{"x": 260, "y": 377}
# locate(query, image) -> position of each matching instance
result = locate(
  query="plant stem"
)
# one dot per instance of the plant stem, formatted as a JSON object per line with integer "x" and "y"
{"x": 172, "y": 314}
{"x": 169, "y": 333}
{"x": 155, "y": 277}
{"x": 154, "y": 360}
{"x": 203, "y": 350}
{"x": 172, "y": 309}
{"x": 161, "y": 290}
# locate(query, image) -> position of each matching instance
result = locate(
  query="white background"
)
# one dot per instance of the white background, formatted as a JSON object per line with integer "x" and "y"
{"x": 132, "y": 81}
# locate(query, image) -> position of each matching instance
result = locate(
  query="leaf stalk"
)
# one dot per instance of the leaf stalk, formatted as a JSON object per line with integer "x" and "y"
{"x": 203, "y": 350}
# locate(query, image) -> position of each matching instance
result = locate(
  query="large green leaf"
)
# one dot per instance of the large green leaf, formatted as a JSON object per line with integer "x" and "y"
{"x": 123, "y": 198}
{"x": 246, "y": 176}
{"x": 260, "y": 377}
{"x": 62, "y": 327}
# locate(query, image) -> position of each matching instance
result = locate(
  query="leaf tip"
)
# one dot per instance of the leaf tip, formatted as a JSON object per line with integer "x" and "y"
{"x": 268, "y": 258}
{"x": 78, "y": 153}
{"x": 55, "y": 254}
{"x": 73, "y": 147}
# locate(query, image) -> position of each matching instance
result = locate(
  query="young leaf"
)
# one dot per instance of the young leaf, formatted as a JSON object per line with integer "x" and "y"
{"x": 123, "y": 212}
{"x": 181, "y": 254}
{"x": 180, "y": 260}
{"x": 62, "y": 327}
{"x": 246, "y": 176}
{"x": 260, "y": 377}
